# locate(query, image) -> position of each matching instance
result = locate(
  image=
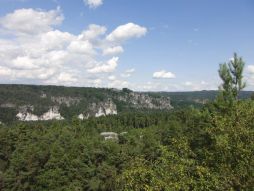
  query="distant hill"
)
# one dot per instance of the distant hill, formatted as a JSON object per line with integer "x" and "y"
{"x": 32, "y": 102}
{"x": 195, "y": 98}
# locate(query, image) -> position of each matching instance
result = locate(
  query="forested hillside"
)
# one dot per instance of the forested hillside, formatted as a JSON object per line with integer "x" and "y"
{"x": 33, "y": 103}
{"x": 196, "y": 98}
{"x": 188, "y": 149}
{"x": 208, "y": 148}
{"x": 28, "y": 102}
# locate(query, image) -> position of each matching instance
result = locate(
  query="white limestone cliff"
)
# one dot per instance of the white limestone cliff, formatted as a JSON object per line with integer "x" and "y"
{"x": 51, "y": 114}
{"x": 25, "y": 116}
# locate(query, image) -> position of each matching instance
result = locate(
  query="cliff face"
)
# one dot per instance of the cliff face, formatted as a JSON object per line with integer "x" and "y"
{"x": 33, "y": 103}
{"x": 143, "y": 100}
{"x": 104, "y": 108}
{"x": 68, "y": 101}
{"x": 95, "y": 109}
{"x": 99, "y": 109}
{"x": 25, "y": 114}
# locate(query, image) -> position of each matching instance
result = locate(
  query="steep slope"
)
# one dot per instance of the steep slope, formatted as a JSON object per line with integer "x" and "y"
{"x": 32, "y": 103}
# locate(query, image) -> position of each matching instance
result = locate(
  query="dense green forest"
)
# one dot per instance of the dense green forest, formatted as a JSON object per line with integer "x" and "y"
{"x": 190, "y": 149}
{"x": 207, "y": 148}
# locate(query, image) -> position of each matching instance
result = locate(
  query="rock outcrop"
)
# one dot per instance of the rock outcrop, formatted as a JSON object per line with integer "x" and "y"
{"x": 109, "y": 136}
{"x": 25, "y": 115}
{"x": 100, "y": 109}
{"x": 68, "y": 101}
{"x": 145, "y": 101}
{"x": 53, "y": 102}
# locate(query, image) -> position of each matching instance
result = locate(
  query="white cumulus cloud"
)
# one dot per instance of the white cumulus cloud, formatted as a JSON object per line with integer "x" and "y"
{"x": 125, "y": 32}
{"x": 30, "y": 21}
{"x": 127, "y": 73}
{"x": 113, "y": 50}
{"x": 93, "y": 3}
{"x": 109, "y": 66}
{"x": 92, "y": 32}
{"x": 35, "y": 51}
{"x": 81, "y": 47}
{"x": 112, "y": 78}
{"x": 163, "y": 74}
{"x": 4, "y": 71}
{"x": 250, "y": 69}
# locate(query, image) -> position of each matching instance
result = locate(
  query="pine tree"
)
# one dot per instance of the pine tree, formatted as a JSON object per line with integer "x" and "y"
{"x": 231, "y": 74}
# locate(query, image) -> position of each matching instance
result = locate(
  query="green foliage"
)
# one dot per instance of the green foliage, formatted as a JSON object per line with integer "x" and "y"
{"x": 126, "y": 90}
{"x": 189, "y": 149}
{"x": 231, "y": 74}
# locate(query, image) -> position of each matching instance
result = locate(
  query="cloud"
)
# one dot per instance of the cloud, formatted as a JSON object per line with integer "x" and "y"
{"x": 81, "y": 47}
{"x": 250, "y": 69}
{"x": 128, "y": 73}
{"x": 113, "y": 50}
{"x": 163, "y": 74}
{"x": 93, "y": 3}
{"x": 204, "y": 82}
{"x": 125, "y": 32}
{"x": 4, "y": 71}
{"x": 92, "y": 32}
{"x": 112, "y": 78}
{"x": 249, "y": 78}
{"x": 131, "y": 70}
{"x": 118, "y": 84}
{"x": 187, "y": 83}
{"x": 109, "y": 66}
{"x": 24, "y": 62}
{"x": 35, "y": 51}
{"x": 66, "y": 77}
{"x": 198, "y": 86}
{"x": 30, "y": 21}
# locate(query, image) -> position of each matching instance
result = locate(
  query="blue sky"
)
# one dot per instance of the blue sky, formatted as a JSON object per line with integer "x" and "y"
{"x": 155, "y": 45}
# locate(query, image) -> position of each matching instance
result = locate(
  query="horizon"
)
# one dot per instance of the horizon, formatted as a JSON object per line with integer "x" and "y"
{"x": 156, "y": 91}
{"x": 112, "y": 44}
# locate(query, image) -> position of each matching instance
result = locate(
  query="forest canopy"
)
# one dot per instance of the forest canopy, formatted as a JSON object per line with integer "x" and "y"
{"x": 208, "y": 148}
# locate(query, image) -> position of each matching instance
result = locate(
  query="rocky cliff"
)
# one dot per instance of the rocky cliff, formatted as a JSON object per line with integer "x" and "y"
{"x": 144, "y": 100}
{"x": 25, "y": 114}
{"x": 32, "y": 103}
{"x": 99, "y": 109}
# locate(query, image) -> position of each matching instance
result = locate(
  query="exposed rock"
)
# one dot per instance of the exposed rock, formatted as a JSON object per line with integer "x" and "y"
{"x": 82, "y": 116}
{"x": 112, "y": 135}
{"x": 100, "y": 112}
{"x": 102, "y": 108}
{"x": 43, "y": 95}
{"x": 82, "y": 103}
{"x": 143, "y": 100}
{"x": 26, "y": 108}
{"x": 52, "y": 114}
{"x": 66, "y": 100}
{"x": 25, "y": 115}
{"x": 109, "y": 136}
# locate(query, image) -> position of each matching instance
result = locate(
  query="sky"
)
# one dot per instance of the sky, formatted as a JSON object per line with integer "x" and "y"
{"x": 155, "y": 45}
